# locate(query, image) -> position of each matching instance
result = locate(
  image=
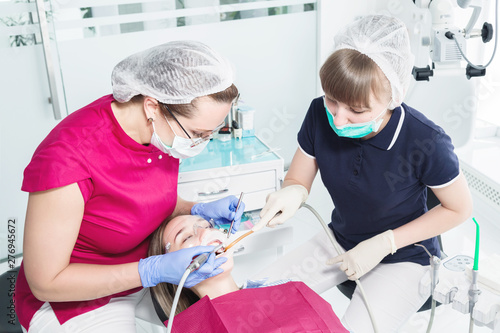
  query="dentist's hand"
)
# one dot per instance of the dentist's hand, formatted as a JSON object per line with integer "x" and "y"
{"x": 221, "y": 211}
{"x": 366, "y": 255}
{"x": 171, "y": 266}
{"x": 287, "y": 201}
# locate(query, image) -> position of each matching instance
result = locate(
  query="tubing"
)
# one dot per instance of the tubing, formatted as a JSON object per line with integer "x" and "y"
{"x": 176, "y": 299}
{"x": 339, "y": 251}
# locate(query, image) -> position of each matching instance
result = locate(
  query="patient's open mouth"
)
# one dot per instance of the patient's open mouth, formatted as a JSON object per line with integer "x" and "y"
{"x": 217, "y": 242}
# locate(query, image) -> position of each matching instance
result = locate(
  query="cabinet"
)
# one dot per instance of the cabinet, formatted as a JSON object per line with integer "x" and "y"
{"x": 229, "y": 168}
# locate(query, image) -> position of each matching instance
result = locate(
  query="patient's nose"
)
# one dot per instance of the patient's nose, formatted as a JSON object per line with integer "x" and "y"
{"x": 201, "y": 232}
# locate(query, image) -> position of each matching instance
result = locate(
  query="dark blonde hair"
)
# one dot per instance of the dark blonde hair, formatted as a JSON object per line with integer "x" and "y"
{"x": 186, "y": 110}
{"x": 349, "y": 76}
{"x": 164, "y": 293}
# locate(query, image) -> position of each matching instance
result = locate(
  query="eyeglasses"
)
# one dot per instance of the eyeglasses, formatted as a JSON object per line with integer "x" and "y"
{"x": 196, "y": 141}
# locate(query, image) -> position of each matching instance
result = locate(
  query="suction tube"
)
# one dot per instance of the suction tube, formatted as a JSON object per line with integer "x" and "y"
{"x": 339, "y": 251}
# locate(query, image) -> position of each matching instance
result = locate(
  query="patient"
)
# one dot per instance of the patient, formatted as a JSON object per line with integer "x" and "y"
{"x": 217, "y": 304}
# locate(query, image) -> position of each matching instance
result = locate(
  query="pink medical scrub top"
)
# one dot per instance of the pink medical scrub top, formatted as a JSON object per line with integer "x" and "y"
{"x": 128, "y": 189}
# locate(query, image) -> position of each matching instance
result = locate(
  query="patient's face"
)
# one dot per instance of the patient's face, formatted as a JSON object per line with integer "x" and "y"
{"x": 188, "y": 230}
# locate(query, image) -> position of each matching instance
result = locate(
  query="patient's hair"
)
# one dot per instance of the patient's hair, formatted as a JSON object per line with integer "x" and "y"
{"x": 164, "y": 293}
{"x": 349, "y": 76}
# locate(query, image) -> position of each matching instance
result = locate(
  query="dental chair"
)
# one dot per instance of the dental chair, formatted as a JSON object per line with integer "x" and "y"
{"x": 347, "y": 287}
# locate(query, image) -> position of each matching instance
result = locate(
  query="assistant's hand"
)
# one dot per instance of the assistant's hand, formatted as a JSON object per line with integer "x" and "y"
{"x": 287, "y": 201}
{"x": 170, "y": 267}
{"x": 221, "y": 211}
{"x": 363, "y": 257}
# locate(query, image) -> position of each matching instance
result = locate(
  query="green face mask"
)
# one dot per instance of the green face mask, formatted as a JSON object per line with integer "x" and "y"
{"x": 354, "y": 131}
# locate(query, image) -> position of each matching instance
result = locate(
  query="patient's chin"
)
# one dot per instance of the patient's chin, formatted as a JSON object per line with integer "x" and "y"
{"x": 228, "y": 265}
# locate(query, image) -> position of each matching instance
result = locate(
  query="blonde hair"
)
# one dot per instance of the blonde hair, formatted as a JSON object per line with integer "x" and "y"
{"x": 349, "y": 76}
{"x": 164, "y": 293}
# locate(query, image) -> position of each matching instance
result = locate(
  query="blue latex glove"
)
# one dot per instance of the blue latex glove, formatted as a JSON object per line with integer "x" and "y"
{"x": 221, "y": 211}
{"x": 170, "y": 267}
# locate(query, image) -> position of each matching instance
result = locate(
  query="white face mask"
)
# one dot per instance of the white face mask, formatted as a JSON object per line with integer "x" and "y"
{"x": 181, "y": 147}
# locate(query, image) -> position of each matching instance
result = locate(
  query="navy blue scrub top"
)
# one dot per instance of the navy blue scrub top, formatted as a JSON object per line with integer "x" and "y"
{"x": 380, "y": 183}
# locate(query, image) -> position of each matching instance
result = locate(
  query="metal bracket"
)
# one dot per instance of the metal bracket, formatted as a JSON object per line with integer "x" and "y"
{"x": 44, "y": 32}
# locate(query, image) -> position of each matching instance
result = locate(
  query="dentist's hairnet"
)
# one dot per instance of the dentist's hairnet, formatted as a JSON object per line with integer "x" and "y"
{"x": 385, "y": 40}
{"x": 173, "y": 73}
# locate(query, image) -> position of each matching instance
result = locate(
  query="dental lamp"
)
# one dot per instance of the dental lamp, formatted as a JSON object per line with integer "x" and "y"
{"x": 448, "y": 43}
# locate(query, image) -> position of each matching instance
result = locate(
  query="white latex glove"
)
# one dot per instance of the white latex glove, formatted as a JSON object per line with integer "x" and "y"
{"x": 363, "y": 257}
{"x": 286, "y": 200}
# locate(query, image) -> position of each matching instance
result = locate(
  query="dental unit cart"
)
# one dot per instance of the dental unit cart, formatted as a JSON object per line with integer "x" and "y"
{"x": 230, "y": 167}
{"x": 468, "y": 289}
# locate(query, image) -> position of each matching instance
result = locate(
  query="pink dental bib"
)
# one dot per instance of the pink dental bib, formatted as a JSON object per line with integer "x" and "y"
{"x": 285, "y": 308}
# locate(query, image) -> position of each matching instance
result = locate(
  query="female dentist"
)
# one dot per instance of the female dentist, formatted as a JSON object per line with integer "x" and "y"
{"x": 377, "y": 158}
{"x": 105, "y": 178}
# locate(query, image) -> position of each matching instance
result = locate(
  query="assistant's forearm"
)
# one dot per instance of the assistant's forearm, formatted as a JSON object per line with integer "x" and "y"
{"x": 302, "y": 171}
{"x": 288, "y": 182}
{"x": 79, "y": 282}
{"x": 435, "y": 222}
{"x": 455, "y": 208}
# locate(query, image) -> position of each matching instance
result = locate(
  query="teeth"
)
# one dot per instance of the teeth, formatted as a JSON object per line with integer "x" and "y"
{"x": 212, "y": 238}
{"x": 215, "y": 242}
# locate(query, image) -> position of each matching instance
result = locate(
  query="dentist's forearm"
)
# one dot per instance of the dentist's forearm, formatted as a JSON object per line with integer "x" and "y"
{"x": 183, "y": 207}
{"x": 80, "y": 282}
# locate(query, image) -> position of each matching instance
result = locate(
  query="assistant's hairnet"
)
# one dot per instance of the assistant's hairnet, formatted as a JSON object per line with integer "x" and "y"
{"x": 385, "y": 40}
{"x": 173, "y": 73}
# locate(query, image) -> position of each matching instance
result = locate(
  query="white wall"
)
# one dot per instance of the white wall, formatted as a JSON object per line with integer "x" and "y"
{"x": 333, "y": 15}
{"x": 25, "y": 119}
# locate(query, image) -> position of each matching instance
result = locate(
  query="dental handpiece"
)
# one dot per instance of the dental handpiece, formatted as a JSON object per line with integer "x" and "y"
{"x": 202, "y": 258}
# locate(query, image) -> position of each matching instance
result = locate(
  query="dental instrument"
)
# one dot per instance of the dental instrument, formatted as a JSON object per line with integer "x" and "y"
{"x": 474, "y": 289}
{"x": 245, "y": 235}
{"x": 232, "y": 222}
{"x": 194, "y": 265}
{"x": 202, "y": 258}
{"x": 237, "y": 240}
{"x": 435, "y": 262}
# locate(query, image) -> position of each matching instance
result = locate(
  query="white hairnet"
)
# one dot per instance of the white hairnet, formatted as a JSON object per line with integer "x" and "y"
{"x": 385, "y": 40}
{"x": 173, "y": 73}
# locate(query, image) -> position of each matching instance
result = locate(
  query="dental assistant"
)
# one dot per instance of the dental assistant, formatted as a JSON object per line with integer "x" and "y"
{"x": 377, "y": 158}
{"x": 105, "y": 178}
